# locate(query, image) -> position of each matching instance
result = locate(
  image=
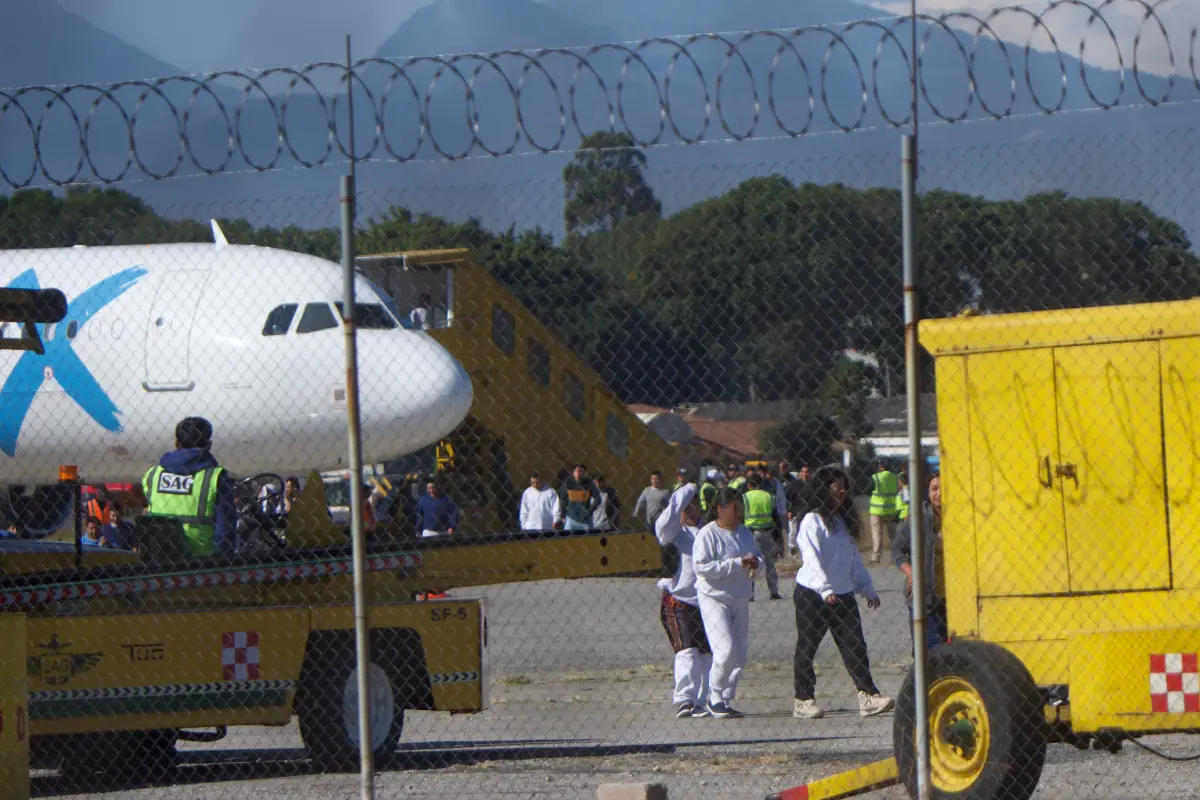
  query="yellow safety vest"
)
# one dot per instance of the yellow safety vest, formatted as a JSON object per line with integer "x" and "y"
{"x": 885, "y": 488}
{"x": 707, "y": 492}
{"x": 759, "y": 505}
{"x": 190, "y": 499}
{"x": 737, "y": 483}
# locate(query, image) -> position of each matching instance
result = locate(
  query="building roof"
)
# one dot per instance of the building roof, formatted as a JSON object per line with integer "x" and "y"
{"x": 738, "y": 437}
{"x": 889, "y": 415}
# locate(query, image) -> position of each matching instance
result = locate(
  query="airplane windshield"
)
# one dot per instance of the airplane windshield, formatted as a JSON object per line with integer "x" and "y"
{"x": 388, "y": 303}
{"x": 371, "y": 316}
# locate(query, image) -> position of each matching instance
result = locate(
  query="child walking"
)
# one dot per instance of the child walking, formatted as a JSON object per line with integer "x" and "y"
{"x": 725, "y": 559}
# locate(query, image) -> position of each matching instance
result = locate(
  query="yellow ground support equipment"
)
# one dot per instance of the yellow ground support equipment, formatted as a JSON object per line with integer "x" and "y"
{"x": 1069, "y": 465}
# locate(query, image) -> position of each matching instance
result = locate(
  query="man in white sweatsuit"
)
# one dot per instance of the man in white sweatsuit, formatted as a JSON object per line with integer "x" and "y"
{"x": 679, "y": 610}
{"x": 540, "y": 506}
{"x": 726, "y": 558}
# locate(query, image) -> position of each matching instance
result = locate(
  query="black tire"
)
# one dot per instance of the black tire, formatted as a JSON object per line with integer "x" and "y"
{"x": 126, "y": 758}
{"x": 328, "y": 666}
{"x": 1011, "y": 707}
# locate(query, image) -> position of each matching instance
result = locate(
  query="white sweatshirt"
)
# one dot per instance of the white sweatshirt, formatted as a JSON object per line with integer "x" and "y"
{"x": 540, "y": 509}
{"x": 669, "y": 529}
{"x": 717, "y": 559}
{"x": 830, "y": 560}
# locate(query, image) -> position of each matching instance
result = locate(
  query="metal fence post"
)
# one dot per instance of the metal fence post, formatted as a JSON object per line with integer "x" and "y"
{"x": 916, "y": 517}
{"x": 362, "y": 628}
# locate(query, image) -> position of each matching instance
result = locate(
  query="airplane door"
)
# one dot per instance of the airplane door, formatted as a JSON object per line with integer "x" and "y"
{"x": 169, "y": 331}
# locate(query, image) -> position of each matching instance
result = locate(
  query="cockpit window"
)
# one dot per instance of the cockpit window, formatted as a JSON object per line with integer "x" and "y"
{"x": 371, "y": 316}
{"x": 388, "y": 302}
{"x": 280, "y": 319}
{"x": 316, "y": 317}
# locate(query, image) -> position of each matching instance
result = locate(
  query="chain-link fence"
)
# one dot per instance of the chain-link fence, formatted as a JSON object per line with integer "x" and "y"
{"x": 633, "y": 409}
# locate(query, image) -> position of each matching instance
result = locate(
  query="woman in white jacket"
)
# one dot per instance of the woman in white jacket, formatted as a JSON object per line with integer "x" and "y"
{"x": 725, "y": 558}
{"x": 831, "y": 572}
{"x": 680, "y": 609}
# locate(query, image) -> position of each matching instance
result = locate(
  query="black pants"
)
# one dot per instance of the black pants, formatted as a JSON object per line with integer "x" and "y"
{"x": 815, "y": 618}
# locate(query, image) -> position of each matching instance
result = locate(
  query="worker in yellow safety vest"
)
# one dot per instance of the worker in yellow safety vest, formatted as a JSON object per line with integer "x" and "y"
{"x": 762, "y": 518}
{"x": 737, "y": 478}
{"x": 708, "y": 490}
{"x": 885, "y": 492}
{"x": 190, "y": 487}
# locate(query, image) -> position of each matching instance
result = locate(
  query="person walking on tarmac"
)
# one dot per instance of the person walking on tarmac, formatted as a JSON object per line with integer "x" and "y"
{"x": 679, "y": 609}
{"x": 762, "y": 518}
{"x": 885, "y": 491}
{"x": 188, "y": 485}
{"x": 725, "y": 559}
{"x": 830, "y": 574}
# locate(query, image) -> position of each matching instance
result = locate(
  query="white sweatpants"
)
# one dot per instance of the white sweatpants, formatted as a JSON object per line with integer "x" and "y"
{"x": 691, "y": 676}
{"x": 727, "y": 624}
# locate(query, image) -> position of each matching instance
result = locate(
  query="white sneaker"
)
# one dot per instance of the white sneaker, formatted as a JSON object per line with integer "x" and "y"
{"x": 871, "y": 704}
{"x": 807, "y": 709}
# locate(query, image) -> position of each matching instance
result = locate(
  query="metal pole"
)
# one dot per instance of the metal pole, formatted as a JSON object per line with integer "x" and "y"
{"x": 77, "y": 501}
{"x": 912, "y": 368}
{"x": 362, "y": 628}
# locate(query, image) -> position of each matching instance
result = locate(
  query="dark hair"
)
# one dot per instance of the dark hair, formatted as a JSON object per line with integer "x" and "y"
{"x": 599, "y": 476}
{"x": 194, "y": 432}
{"x": 535, "y": 474}
{"x": 292, "y": 479}
{"x": 723, "y": 497}
{"x": 753, "y": 481}
{"x": 818, "y": 499}
{"x": 99, "y": 524}
{"x": 580, "y": 466}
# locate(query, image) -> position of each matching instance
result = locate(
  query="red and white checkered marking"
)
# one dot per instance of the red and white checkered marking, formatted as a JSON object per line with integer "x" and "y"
{"x": 1174, "y": 683}
{"x": 239, "y": 656}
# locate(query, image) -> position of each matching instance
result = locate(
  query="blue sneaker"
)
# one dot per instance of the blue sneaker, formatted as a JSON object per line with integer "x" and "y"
{"x": 724, "y": 711}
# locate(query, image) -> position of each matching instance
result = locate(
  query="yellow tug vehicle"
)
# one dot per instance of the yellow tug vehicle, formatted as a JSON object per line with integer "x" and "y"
{"x": 126, "y": 654}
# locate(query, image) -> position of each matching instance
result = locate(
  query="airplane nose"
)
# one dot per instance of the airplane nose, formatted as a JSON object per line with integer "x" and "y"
{"x": 412, "y": 392}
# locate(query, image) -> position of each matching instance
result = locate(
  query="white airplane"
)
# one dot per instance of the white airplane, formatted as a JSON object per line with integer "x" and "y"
{"x": 250, "y": 338}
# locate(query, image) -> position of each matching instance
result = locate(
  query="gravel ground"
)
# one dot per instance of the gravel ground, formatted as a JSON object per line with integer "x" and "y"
{"x": 580, "y": 697}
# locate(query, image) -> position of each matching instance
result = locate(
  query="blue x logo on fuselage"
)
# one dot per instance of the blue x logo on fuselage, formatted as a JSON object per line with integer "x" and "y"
{"x": 67, "y": 368}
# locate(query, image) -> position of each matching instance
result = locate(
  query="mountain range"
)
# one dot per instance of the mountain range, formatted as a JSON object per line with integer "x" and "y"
{"x": 852, "y": 81}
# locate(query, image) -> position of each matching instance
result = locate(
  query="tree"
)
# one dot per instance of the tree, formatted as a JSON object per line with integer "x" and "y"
{"x": 843, "y": 395}
{"x": 806, "y": 437}
{"x": 604, "y": 185}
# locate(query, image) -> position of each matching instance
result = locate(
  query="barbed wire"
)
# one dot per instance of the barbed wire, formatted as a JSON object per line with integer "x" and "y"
{"x": 750, "y": 84}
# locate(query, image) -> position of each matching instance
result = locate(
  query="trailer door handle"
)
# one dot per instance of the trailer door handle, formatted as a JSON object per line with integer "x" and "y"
{"x": 1047, "y": 481}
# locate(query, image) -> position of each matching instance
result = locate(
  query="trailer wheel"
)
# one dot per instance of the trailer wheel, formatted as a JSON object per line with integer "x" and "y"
{"x": 987, "y": 728}
{"x": 328, "y": 702}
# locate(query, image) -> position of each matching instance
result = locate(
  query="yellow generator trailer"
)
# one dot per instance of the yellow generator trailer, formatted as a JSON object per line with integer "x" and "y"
{"x": 1070, "y": 474}
{"x": 1070, "y": 458}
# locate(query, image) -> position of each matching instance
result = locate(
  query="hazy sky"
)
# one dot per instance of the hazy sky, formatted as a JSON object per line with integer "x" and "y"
{"x": 229, "y": 34}
{"x": 237, "y": 34}
{"x": 1070, "y": 24}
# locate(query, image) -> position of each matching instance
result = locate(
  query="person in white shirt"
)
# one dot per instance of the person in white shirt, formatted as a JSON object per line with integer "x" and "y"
{"x": 419, "y": 317}
{"x": 725, "y": 557}
{"x": 540, "y": 507}
{"x": 830, "y": 574}
{"x": 680, "y": 610}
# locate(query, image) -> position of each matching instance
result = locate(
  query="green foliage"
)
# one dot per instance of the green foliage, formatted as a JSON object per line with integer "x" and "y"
{"x": 806, "y": 437}
{"x": 843, "y": 395}
{"x": 604, "y": 184}
{"x": 750, "y": 295}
